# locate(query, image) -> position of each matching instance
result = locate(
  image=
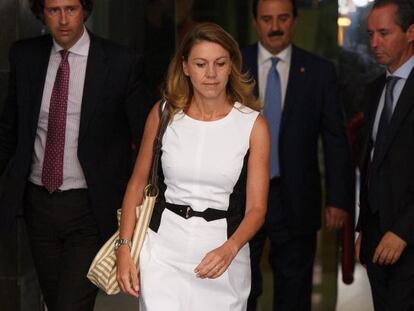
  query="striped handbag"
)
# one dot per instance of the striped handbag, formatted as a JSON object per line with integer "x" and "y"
{"x": 102, "y": 271}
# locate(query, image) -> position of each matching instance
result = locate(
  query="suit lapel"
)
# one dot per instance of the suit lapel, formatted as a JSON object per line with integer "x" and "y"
{"x": 297, "y": 74}
{"x": 39, "y": 64}
{"x": 403, "y": 106}
{"x": 375, "y": 95}
{"x": 95, "y": 76}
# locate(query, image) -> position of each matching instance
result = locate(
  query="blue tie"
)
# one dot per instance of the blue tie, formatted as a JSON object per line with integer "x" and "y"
{"x": 272, "y": 112}
{"x": 386, "y": 113}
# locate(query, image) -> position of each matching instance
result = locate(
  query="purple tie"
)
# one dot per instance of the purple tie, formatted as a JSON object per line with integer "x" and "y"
{"x": 52, "y": 173}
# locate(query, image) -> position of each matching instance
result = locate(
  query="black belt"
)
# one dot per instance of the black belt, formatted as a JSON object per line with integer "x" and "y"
{"x": 57, "y": 191}
{"x": 275, "y": 181}
{"x": 186, "y": 212}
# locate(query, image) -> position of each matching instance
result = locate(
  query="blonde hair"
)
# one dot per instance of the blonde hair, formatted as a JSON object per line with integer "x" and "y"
{"x": 179, "y": 90}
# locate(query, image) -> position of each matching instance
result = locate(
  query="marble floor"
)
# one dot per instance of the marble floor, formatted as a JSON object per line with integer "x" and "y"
{"x": 120, "y": 302}
{"x": 357, "y": 296}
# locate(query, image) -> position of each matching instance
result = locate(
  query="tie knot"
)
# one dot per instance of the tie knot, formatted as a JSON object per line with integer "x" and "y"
{"x": 391, "y": 81}
{"x": 64, "y": 54}
{"x": 274, "y": 60}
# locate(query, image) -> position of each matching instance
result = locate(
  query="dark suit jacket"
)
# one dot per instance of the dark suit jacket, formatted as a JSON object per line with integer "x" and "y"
{"x": 311, "y": 110}
{"x": 391, "y": 173}
{"x": 112, "y": 117}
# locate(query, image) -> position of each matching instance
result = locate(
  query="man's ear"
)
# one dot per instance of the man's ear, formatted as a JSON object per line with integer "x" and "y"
{"x": 410, "y": 34}
{"x": 254, "y": 23}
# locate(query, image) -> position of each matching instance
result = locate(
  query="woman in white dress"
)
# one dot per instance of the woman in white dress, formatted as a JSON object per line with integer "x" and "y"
{"x": 213, "y": 184}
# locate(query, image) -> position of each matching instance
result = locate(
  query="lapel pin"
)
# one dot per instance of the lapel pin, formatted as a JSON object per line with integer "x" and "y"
{"x": 302, "y": 69}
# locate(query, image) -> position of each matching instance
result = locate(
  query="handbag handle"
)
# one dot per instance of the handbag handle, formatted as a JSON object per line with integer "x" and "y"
{"x": 152, "y": 187}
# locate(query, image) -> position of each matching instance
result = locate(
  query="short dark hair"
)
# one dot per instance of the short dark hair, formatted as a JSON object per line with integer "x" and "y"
{"x": 405, "y": 11}
{"x": 37, "y": 7}
{"x": 294, "y": 8}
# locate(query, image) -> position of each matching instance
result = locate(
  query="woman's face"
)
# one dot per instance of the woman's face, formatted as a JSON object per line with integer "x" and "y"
{"x": 208, "y": 67}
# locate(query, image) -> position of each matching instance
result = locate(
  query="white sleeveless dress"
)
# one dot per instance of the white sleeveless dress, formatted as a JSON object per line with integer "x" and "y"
{"x": 201, "y": 162}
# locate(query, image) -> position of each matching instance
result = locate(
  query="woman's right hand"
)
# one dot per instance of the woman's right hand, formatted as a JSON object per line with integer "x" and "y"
{"x": 127, "y": 274}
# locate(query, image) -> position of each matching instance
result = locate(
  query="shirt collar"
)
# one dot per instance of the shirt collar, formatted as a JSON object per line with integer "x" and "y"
{"x": 404, "y": 70}
{"x": 264, "y": 55}
{"x": 81, "y": 47}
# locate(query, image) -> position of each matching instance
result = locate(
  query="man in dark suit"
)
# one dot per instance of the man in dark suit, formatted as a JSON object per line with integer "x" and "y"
{"x": 300, "y": 104}
{"x": 74, "y": 106}
{"x": 386, "y": 223}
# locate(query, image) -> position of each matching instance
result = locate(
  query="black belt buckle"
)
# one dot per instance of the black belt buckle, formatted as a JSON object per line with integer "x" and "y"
{"x": 184, "y": 211}
{"x": 188, "y": 213}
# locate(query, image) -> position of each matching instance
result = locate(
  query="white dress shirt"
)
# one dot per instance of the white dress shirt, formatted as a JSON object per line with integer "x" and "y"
{"x": 73, "y": 177}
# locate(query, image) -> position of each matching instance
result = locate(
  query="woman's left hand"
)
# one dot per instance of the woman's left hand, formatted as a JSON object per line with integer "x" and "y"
{"x": 217, "y": 261}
